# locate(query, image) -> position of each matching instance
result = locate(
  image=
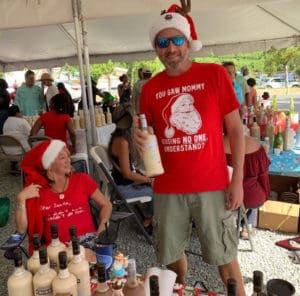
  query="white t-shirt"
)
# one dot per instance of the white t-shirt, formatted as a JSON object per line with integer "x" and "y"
{"x": 51, "y": 91}
{"x": 18, "y": 128}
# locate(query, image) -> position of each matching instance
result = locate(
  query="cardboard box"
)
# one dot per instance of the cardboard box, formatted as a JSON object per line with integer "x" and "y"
{"x": 281, "y": 216}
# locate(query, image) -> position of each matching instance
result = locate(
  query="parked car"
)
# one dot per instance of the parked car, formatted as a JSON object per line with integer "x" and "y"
{"x": 277, "y": 82}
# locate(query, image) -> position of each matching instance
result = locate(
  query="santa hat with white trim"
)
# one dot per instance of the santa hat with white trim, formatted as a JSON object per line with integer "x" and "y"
{"x": 173, "y": 19}
{"x": 39, "y": 159}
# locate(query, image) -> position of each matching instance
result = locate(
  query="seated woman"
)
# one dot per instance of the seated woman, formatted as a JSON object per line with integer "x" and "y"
{"x": 57, "y": 122}
{"x": 256, "y": 183}
{"x": 123, "y": 155}
{"x": 54, "y": 194}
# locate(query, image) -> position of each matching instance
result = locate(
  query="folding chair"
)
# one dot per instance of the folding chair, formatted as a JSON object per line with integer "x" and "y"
{"x": 34, "y": 140}
{"x": 11, "y": 148}
{"x": 110, "y": 189}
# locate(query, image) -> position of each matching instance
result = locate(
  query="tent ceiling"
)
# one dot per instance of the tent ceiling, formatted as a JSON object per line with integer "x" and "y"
{"x": 40, "y": 33}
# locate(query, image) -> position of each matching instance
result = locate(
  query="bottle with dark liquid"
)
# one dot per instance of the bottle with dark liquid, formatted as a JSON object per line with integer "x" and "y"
{"x": 20, "y": 282}
{"x": 42, "y": 280}
{"x": 55, "y": 247}
{"x": 258, "y": 283}
{"x": 133, "y": 287}
{"x": 154, "y": 285}
{"x": 80, "y": 268}
{"x": 33, "y": 264}
{"x": 231, "y": 287}
{"x": 65, "y": 283}
{"x": 102, "y": 288}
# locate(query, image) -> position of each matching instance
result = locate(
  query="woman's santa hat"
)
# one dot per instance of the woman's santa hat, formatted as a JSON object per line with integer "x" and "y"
{"x": 39, "y": 159}
{"x": 173, "y": 19}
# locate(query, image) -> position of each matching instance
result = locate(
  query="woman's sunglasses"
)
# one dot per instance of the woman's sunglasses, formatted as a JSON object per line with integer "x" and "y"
{"x": 165, "y": 42}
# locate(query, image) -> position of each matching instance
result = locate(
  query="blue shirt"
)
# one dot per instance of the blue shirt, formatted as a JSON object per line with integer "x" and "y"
{"x": 29, "y": 100}
{"x": 238, "y": 92}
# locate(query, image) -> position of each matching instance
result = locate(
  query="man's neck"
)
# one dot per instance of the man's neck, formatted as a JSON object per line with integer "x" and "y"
{"x": 182, "y": 68}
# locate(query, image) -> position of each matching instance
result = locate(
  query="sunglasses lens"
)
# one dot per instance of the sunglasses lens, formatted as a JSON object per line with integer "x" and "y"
{"x": 162, "y": 42}
{"x": 178, "y": 40}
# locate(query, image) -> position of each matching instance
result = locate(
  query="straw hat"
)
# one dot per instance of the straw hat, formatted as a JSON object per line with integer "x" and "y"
{"x": 46, "y": 76}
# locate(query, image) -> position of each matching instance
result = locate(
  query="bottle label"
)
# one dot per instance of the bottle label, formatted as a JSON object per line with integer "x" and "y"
{"x": 47, "y": 291}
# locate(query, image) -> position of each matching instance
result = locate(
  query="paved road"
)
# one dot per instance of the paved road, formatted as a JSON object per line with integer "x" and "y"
{"x": 284, "y": 102}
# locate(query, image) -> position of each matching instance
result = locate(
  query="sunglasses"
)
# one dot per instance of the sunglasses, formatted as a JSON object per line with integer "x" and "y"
{"x": 165, "y": 42}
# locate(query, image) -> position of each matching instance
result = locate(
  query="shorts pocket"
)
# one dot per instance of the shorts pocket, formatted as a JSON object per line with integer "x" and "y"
{"x": 229, "y": 235}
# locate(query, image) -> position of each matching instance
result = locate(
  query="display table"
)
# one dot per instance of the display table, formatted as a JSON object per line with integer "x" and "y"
{"x": 285, "y": 164}
{"x": 104, "y": 133}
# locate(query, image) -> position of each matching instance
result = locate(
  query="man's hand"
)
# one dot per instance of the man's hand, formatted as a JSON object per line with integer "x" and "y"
{"x": 234, "y": 196}
{"x": 140, "y": 137}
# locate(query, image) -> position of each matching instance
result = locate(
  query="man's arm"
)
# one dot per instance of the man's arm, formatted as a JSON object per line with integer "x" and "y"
{"x": 237, "y": 146}
{"x": 72, "y": 135}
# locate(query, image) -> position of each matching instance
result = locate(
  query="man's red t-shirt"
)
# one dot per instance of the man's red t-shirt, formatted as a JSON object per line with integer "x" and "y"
{"x": 72, "y": 210}
{"x": 187, "y": 113}
{"x": 55, "y": 125}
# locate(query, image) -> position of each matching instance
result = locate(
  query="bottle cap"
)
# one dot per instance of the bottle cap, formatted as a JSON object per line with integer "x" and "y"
{"x": 154, "y": 285}
{"x": 36, "y": 241}
{"x": 75, "y": 246}
{"x": 101, "y": 272}
{"x": 43, "y": 255}
{"x": 62, "y": 258}
{"x": 231, "y": 287}
{"x": 54, "y": 230}
{"x": 17, "y": 257}
{"x": 73, "y": 231}
{"x": 257, "y": 280}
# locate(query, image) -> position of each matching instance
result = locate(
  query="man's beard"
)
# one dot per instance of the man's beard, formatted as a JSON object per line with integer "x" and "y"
{"x": 189, "y": 122}
{"x": 173, "y": 65}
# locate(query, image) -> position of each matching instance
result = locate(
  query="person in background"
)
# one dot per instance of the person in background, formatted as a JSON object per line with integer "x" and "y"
{"x": 186, "y": 104}
{"x": 230, "y": 67}
{"x": 266, "y": 99}
{"x": 57, "y": 122}
{"x": 17, "y": 127}
{"x": 109, "y": 101}
{"x": 53, "y": 192}
{"x": 29, "y": 96}
{"x": 95, "y": 92}
{"x": 252, "y": 93}
{"x": 256, "y": 183}
{"x": 137, "y": 88}
{"x": 123, "y": 155}
{"x": 70, "y": 108}
{"x": 140, "y": 73}
{"x": 245, "y": 72}
{"x": 51, "y": 90}
{"x": 4, "y": 103}
{"x": 245, "y": 88}
{"x": 124, "y": 89}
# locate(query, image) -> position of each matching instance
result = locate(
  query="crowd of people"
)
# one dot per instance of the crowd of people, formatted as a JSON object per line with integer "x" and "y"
{"x": 194, "y": 110}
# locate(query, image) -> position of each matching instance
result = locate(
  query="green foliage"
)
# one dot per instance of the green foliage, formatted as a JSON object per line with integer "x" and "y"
{"x": 1, "y": 75}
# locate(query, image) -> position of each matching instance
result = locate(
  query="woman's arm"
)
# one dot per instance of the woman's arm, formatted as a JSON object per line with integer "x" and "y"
{"x": 105, "y": 209}
{"x": 122, "y": 149}
{"x": 36, "y": 127}
{"x": 21, "y": 215}
{"x": 72, "y": 135}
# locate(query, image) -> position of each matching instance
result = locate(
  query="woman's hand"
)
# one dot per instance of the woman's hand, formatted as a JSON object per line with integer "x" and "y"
{"x": 29, "y": 192}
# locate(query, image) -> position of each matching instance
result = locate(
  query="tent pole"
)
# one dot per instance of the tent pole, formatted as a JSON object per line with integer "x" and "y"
{"x": 81, "y": 73}
{"x": 88, "y": 75}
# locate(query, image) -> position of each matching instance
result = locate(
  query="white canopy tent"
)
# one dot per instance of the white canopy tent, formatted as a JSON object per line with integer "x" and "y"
{"x": 41, "y": 33}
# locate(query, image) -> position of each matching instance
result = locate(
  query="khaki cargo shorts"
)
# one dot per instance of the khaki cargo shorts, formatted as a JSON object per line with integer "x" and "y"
{"x": 215, "y": 226}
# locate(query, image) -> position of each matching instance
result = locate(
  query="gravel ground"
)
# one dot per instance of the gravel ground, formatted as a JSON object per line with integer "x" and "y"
{"x": 273, "y": 261}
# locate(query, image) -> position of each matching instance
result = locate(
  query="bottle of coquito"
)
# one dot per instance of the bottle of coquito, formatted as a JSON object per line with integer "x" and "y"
{"x": 33, "y": 264}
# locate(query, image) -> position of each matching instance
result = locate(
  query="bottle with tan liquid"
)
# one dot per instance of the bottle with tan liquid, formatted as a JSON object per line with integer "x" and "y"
{"x": 255, "y": 130}
{"x": 103, "y": 120}
{"x": 151, "y": 157}
{"x": 98, "y": 118}
{"x": 55, "y": 247}
{"x": 73, "y": 234}
{"x": 80, "y": 268}
{"x": 108, "y": 117}
{"x": 102, "y": 288}
{"x": 65, "y": 283}
{"x": 42, "y": 280}
{"x": 288, "y": 137}
{"x": 33, "y": 264}
{"x": 20, "y": 282}
{"x": 133, "y": 287}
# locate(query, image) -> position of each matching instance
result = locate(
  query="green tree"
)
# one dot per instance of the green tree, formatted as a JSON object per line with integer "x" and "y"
{"x": 69, "y": 71}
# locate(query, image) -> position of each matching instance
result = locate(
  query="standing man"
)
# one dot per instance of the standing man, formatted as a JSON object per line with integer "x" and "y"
{"x": 29, "y": 96}
{"x": 187, "y": 104}
{"x": 51, "y": 90}
{"x": 137, "y": 88}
